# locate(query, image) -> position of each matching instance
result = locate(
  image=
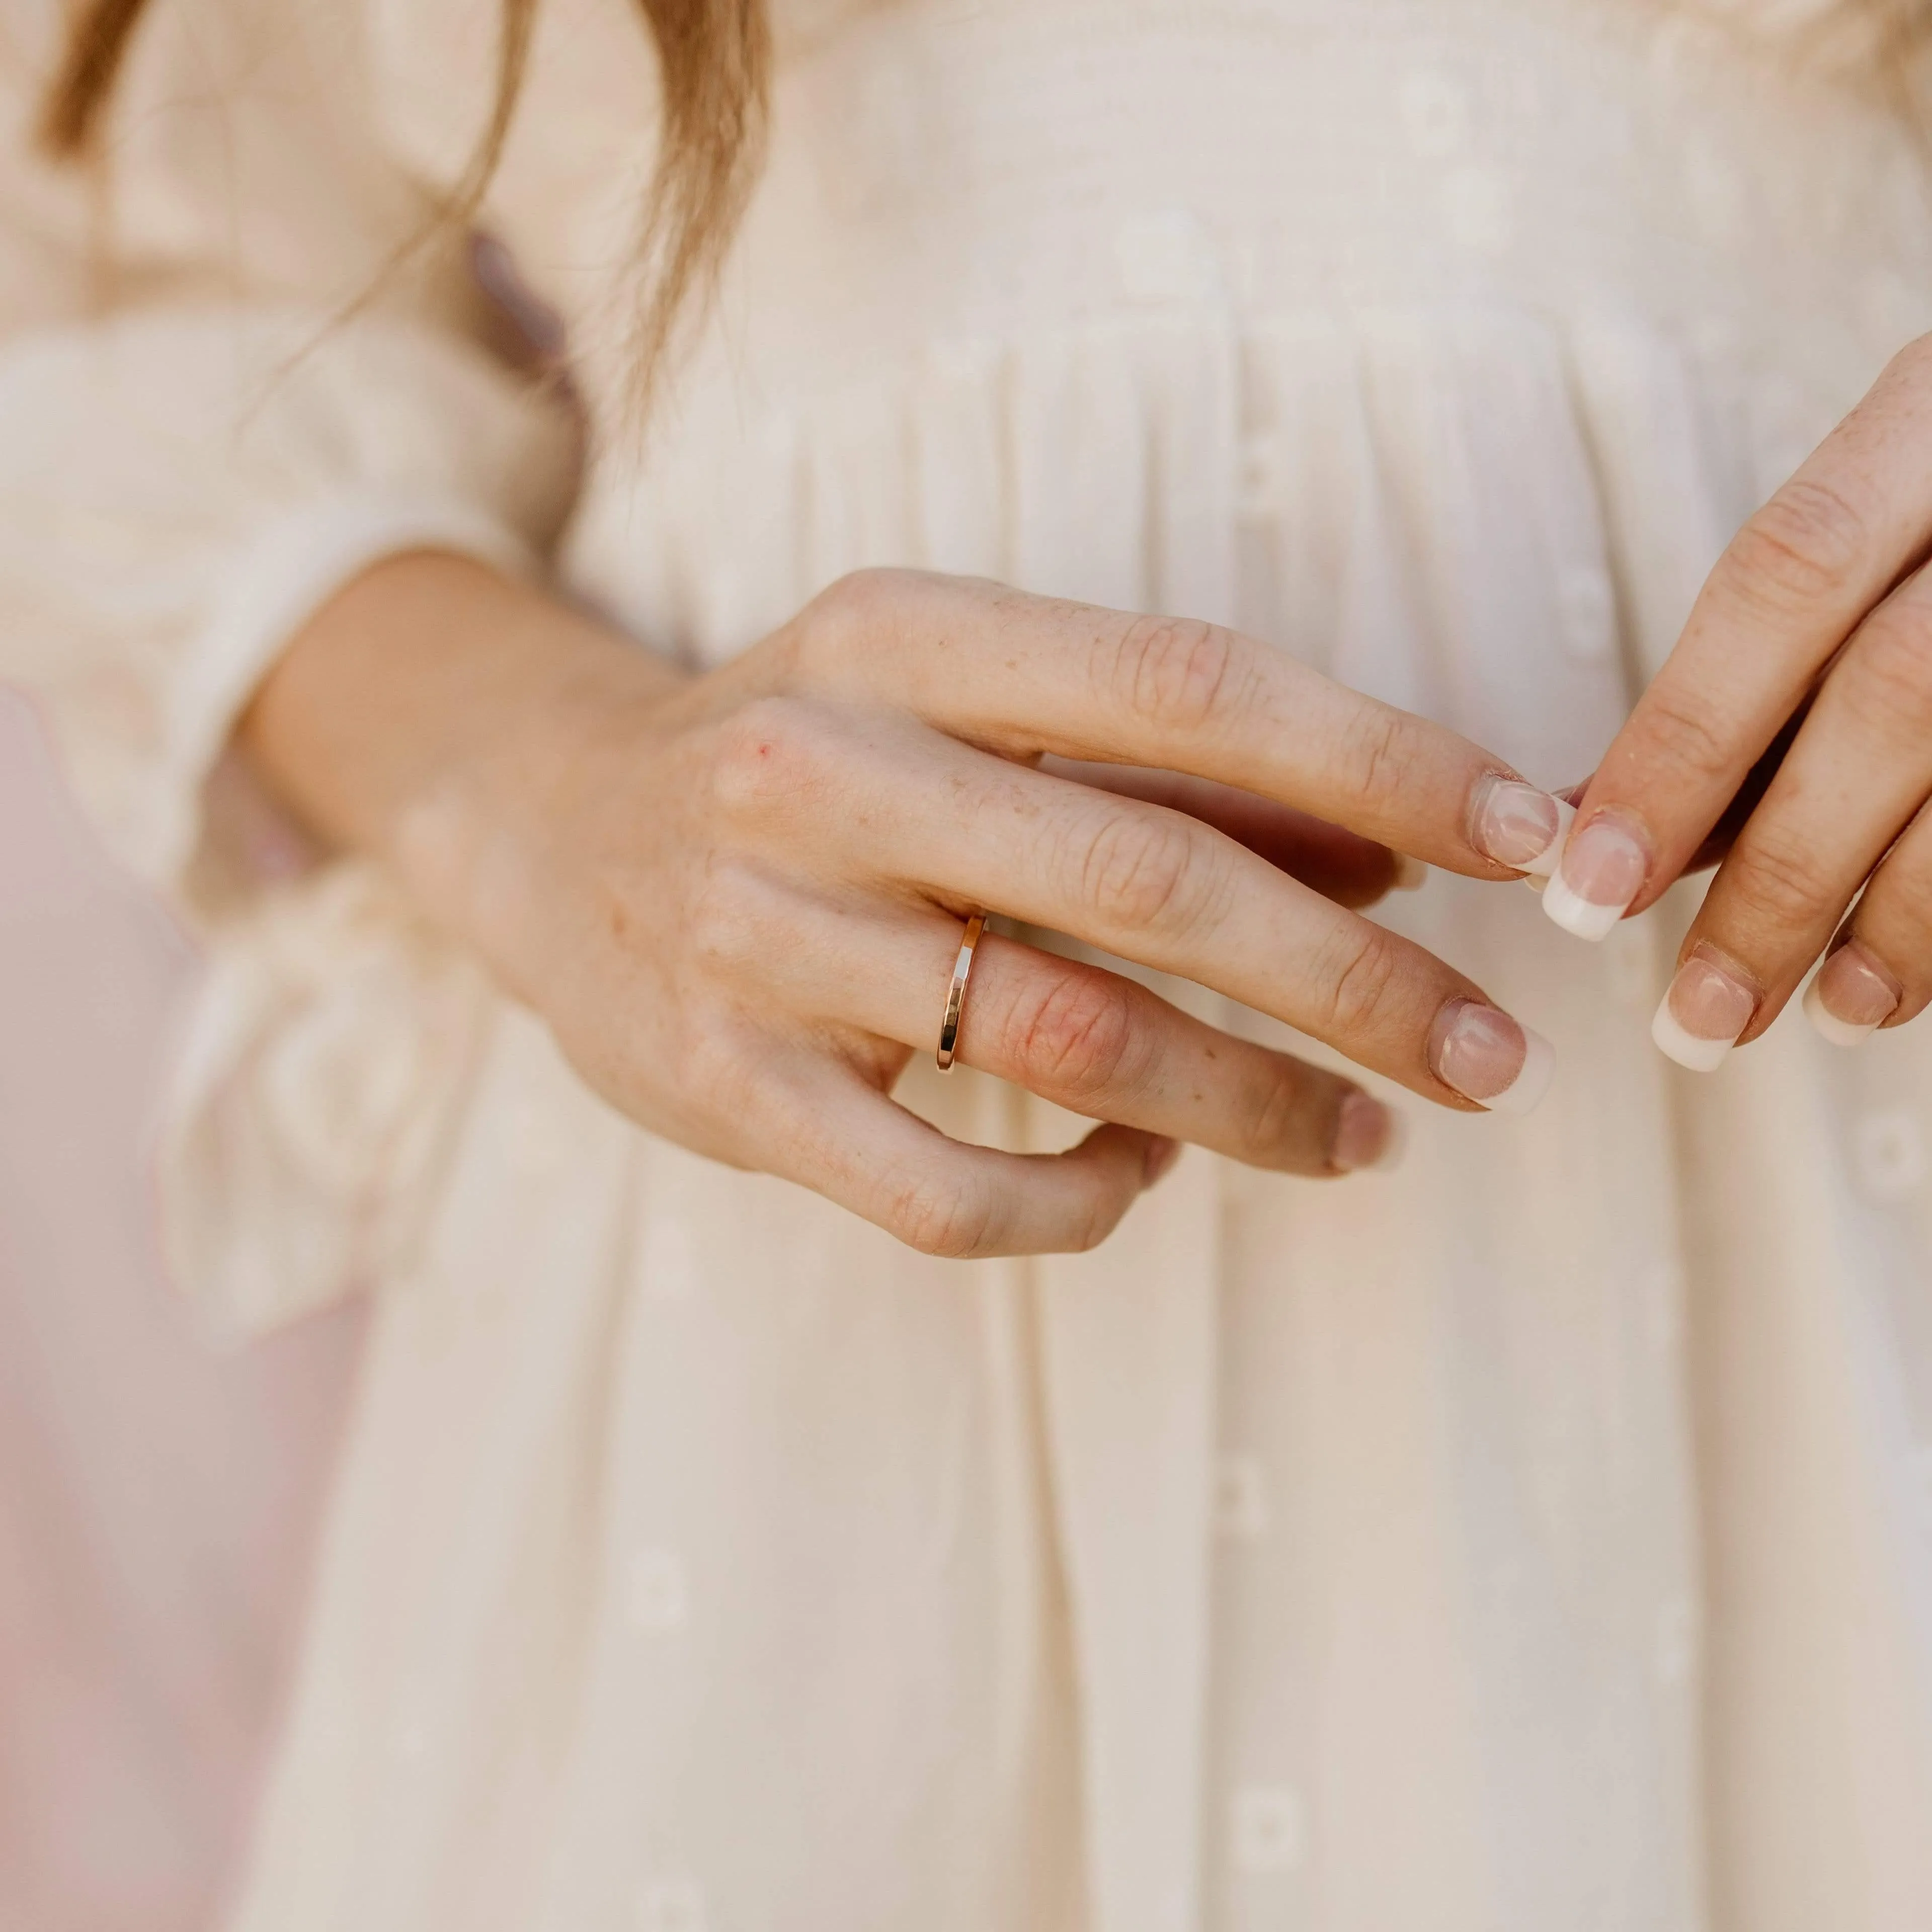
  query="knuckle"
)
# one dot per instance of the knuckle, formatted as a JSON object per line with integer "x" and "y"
{"x": 1143, "y": 869}
{"x": 952, "y": 1222}
{"x": 727, "y": 921}
{"x": 1076, "y": 1034}
{"x": 769, "y": 751}
{"x": 1379, "y": 757}
{"x": 1890, "y": 676}
{"x": 1274, "y": 1120}
{"x": 1914, "y": 360}
{"x": 1362, "y": 983}
{"x": 1686, "y": 737}
{"x": 1806, "y": 544}
{"x": 1776, "y": 880}
{"x": 855, "y": 613}
{"x": 1179, "y": 674}
{"x": 713, "y": 1073}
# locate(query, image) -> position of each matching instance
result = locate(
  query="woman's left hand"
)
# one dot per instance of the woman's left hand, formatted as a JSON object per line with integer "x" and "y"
{"x": 1809, "y": 647}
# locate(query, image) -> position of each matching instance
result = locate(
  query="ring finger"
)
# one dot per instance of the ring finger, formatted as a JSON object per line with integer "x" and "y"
{"x": 1101, "y": 1045}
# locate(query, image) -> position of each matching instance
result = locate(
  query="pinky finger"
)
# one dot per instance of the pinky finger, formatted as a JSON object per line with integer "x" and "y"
{"x": 1875, "y": 973}
{"x": 944, "y": 1197}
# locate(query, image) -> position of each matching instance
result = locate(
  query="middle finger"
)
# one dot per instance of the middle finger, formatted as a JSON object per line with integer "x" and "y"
{"x": 1859, "y": 768}
{"x": 1155, "y": 885}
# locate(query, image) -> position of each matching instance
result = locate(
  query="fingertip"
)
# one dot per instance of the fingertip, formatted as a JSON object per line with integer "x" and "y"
{"x": 1158, "y": 1158}
{"x": 1828, "y": 1025}
{"x": 1368, "y": 1135}
{"x": 1525, "y": 1093}
{"x": 1850, "y": 997}
{"x": 1582, "y": 918}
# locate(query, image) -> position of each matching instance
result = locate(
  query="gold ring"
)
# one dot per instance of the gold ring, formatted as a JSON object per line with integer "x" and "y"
{"x": 956, "y": 994}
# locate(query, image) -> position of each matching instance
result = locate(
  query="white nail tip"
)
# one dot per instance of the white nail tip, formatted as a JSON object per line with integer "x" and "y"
{"x": 1524, "y": 1093}
{"x": 1839, "y": 1032}
{"x": 1687, "y": 1049}
{"x": 1544, "y": 865}
{"x": 1575, "y": 914}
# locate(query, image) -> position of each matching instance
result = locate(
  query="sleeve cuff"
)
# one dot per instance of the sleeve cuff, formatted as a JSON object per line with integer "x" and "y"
{"x": 285, "y": 577}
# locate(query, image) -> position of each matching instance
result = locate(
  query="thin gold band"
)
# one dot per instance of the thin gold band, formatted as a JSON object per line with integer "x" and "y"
{"x": 956, "y": 994}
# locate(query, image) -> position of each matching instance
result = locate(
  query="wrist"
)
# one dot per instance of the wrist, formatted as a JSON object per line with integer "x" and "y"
{"x": 437, "y": 714}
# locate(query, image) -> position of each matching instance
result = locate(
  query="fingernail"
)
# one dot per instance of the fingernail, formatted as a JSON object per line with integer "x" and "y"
{"x": 1367, "y": 1134}
{"x": 1708, "y": 1005}
{"x": 1411, "y": 874}
{"x": 1850, "y": 996}
{"x": 1603, "y": 869}
{"x": 1516, "y": 825}
{"x": 1161, "y": 1155}
{"x": 1487, "y": 1056}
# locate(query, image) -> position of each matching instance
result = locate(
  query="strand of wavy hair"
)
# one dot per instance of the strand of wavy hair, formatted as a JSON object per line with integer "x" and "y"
{"x": 714, "y": 64}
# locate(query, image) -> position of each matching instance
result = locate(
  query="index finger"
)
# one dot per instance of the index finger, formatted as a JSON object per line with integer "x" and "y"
{"x": 1027, "y": 676}
{"x": 1793, "y": 583}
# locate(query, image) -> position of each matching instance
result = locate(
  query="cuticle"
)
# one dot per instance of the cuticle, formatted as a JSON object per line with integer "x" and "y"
{"x": 1728, "y": 964}
{"x": 1883, "y": 971}
{"x": 1485, "y": 783}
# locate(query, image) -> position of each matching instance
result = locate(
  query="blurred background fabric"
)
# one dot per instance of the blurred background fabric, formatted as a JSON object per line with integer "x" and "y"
{"x": 158, "y": 1495}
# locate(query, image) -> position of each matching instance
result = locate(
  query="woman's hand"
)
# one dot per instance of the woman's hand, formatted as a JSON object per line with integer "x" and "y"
{"x": 1802, "y": 688}
{"x": 737, "y": 898}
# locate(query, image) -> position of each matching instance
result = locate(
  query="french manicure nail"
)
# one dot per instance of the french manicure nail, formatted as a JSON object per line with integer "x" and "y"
{"x": 1486, "y": 1056}
{"x": 1516, "y": 825}
{"x": 1603, "y": 869}
{"x": 1367, "y": 1134}
{"x": 1850, "y": 996}
{"x": 1707, "y": 1004}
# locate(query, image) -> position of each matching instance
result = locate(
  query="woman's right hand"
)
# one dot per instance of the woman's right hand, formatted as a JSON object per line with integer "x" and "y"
{"x": 737, "y": 898}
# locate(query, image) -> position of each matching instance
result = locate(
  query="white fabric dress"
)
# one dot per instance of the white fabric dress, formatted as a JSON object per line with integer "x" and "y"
{"x": 1539, "y": 1536}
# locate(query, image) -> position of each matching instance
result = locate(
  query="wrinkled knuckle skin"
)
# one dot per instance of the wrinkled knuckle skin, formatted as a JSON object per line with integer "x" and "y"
{"x": 1179, "y": 674}
{"x": 1889, "y": 673}
{"x": 948, "y": 1223}
{"x": 1776, "y": 883}
{"x": 1076, "y": 1035}
{"x": 1141, "y": 872}
{"x": 1361, "y": 990}
{"x": 1689, "y": 741}
{"x": 1807, "y": 545}
{"x": 1274, "y": 1128}
{"x": 1379, "y": 760}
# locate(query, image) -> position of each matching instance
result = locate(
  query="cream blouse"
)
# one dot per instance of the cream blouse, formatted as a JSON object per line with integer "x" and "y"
{"x": 1535, "y": 1536}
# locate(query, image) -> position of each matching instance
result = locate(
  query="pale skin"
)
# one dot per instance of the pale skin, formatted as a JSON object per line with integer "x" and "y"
{"x": 1811, "y": 641}
{"x": 735, "y": 897}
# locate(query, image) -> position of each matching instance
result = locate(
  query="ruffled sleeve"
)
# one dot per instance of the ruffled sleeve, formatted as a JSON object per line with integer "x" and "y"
{"x": 281, "y": 390}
